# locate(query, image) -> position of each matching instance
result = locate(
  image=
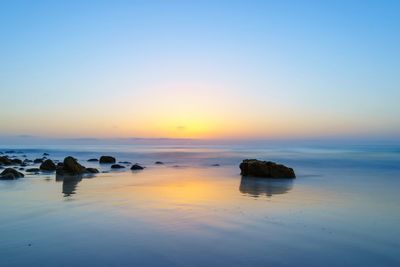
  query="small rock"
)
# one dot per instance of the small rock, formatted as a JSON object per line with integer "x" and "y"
{"x": 107, "y": 159}
{"x": 36, "y": 161}
{"x": 136, "y": 167}
{"x": 16, "y": 161}
{"x": 159, "y": 162}
{"x": 92, "y": 160}
{"x": 117, "y": 166}
{"x": 70, "y": 167}
{"x": 4, "y": 160}
{"x": 125, "y": 162}
{"x": 46, "y": 154}
{"x": 6, "y": 174}
{"x": 215, "y": 165}
{"x": 48, "y": 165}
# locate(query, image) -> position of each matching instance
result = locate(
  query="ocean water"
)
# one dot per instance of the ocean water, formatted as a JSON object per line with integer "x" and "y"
{"x": 343, "y": 209}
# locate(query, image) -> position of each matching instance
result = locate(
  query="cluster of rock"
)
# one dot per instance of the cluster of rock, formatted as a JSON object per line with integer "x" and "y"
{"x": 267, "y": 169}
{"x": 70, "y": 166}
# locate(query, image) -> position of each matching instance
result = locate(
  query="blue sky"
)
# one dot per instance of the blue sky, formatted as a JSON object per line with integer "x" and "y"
{"x": 200, "y": 69}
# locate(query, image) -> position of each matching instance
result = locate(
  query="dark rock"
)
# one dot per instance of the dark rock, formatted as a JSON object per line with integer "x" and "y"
{"x": 159, "y": 162}
{"x": 215, "y": 165}
{"x": 10, "y": 171}
{"x": 23, "y": 164}
{"x": 8, "y": 176}
{"x": 46, "y": 154}
{"x": 33, "y": 170}
{"x": 21, "y": 169}
{"x": 136, "y": 167}
{"x": 27, "y": 161}
{"x": 4, "y": 160}
{"x": 36, "y": 161}
{"x": 92, "y": 160}
{"x": 48, "y": 165}
{"x": 107, "y": 159}
{"x": 92, "y": 170}
{"x": 125, "y": 162}
{"x": 16, "y": 161}
{"x": 267, "y": 169}
{"x": 117, "y": 166}
{"x": 10, "y": 152}
{"x": 70, "y": 167}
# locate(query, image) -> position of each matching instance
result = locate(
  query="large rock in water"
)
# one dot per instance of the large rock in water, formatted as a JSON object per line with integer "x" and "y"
{"x": 48, "y": 165}
{"x": 267, "y": 169}
{"x": 107, "y": 159}
{"x": 10, "y": 174}
{"x": 71, "y": 167}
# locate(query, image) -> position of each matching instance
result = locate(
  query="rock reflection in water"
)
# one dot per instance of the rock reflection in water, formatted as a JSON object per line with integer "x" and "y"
{"x": 70, "y": 183}
{"x": 262, "y": 186}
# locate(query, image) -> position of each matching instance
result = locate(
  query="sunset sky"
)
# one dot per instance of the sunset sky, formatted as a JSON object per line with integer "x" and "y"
{"x": 200, "y": 69}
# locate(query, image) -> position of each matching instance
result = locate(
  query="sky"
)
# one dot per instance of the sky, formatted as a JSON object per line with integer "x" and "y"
{"x": 200, "y": 69}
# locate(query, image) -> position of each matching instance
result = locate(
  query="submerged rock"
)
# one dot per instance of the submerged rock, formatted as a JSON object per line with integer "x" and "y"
{"x": 46, "y": 154}
{"x": 117, "y": 166}
{"x": 215, "y": 165}
{"x": 125, "y": 162}
{"x": 92, "y": 160}
{"x": 159, "y": 162}
{"x": 267, "y": 169}
{"x": 107, "y": 159}
{"x": 136, "y": 167}
{"x": 48, "y": 165}
{"x": 10, "y": 174}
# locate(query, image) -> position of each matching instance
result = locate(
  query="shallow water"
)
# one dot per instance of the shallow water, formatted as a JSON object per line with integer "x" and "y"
{"x": 342, "y": 210}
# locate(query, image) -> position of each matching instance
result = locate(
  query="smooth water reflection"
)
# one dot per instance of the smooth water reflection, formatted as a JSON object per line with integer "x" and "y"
{"x": 69, "y": 183}
{"x": 256, "y": 187}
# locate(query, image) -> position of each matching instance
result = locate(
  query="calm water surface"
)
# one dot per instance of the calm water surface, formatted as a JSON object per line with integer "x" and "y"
{"x": 342, "y": 210}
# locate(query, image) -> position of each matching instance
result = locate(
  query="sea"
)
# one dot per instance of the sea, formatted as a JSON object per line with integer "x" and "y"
{"x": 195, "y": 209}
